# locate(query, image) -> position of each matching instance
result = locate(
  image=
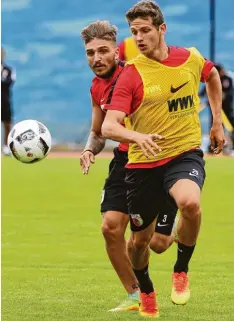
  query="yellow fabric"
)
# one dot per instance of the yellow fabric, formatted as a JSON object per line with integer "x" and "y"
{"x": 226, "y": 122}
{"x": 174, "y": 115}
{"x": 131, "y": 50}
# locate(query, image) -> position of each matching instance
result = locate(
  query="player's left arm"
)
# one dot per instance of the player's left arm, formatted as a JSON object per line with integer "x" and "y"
{"x": 96, "y": 142}
{"x": 214, "y": 94}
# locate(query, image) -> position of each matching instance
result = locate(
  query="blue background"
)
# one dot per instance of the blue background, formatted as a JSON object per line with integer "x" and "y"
{"x": 43, "y": 44}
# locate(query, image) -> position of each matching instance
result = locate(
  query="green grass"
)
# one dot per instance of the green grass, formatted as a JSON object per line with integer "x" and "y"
{"x": 54, "y": 265}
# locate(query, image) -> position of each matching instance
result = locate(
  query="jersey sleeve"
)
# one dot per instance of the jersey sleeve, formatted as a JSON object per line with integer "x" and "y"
{"x": 208, "y": 65}
{"x": 126, "y": 93}
{"x": 93, "y": 96}
{"x": 204, "y": 64}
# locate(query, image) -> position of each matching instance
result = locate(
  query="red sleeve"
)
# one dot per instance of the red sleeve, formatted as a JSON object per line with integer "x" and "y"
{"x": 128, "y": 92}
{"x": 122, "y": 50}
{"x": 96, "y": 90}
{"x": 208, "y": 65}
{"x": 93, "y": 96}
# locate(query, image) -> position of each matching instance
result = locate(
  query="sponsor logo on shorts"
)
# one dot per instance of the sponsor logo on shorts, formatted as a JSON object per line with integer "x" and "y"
{"x": 194, "y": 172}
{"x": 137, "y": 219}
{"x": 161, "y": 225}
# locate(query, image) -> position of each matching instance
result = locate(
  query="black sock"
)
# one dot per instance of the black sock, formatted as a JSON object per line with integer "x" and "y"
{"x": 184, "y": 254}
{"x": 145, "y": 284}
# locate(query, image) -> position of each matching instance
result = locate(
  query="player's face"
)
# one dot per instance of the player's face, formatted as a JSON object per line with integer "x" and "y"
{"x": 148, "y": 38}
{"x": 102, "y": 56}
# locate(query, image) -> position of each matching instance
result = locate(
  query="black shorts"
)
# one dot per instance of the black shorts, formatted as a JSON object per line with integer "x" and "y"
{"x": 6, "y": 112}
{"x": 114, "y": 194}
{"x": 165, "y": 219}
{"x": 148, "y": 188}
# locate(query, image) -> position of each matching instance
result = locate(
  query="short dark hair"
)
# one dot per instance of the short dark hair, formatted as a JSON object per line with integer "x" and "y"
{"x": 144, "y": 9}
{"x": 99, "y": 29}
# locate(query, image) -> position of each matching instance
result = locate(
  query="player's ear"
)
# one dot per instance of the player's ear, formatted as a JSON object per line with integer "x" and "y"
{"x": 117, "y": 53}
{"x": 163, "y": 28}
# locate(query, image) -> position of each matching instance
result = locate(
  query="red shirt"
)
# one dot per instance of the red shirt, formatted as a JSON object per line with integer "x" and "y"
{"x": 128, "y": 93}
{"x": 100, "y": 92}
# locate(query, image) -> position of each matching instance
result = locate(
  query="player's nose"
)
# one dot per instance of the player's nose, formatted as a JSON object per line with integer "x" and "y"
{"x": 139, "y": 37}
{"x": 97, "y": 57}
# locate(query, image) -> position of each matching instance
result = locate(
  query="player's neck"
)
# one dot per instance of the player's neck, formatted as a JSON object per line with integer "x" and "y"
{"x": 160, "y": 53}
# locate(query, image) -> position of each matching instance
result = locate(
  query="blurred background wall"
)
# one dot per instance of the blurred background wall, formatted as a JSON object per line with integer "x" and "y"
{"x": 41, "y": 38}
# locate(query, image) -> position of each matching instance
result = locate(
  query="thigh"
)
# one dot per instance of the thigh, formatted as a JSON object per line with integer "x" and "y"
{"x": 186, "y": 192}
{"x": 144, "y": 237}
{"x": 185, "y": 176}
{"x": 143, "y": 195}
{"x": 114, "y": 194}
{"x": 188, "y": 166}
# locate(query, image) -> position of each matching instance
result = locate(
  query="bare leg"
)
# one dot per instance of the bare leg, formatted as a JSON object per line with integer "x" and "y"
{"x": 160, "y": 242}
{"x": 187, "y": 196}
{"x": 113, "y": 228}
{"x": 140, "y": 252}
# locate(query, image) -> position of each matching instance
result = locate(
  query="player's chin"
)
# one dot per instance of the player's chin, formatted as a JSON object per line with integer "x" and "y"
{"x": 102, "y": 73}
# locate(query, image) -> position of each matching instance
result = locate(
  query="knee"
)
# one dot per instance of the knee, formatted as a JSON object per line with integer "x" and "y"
{"x": 160, "y": 244}
{"x": 190, "y": 208}
{"x": 111, "y": 232}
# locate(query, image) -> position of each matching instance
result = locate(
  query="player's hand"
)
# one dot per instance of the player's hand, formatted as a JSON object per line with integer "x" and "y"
{"x": 86, "y": 159}
{"x": 147, "y": 143}
{"x": 217, "y": 138}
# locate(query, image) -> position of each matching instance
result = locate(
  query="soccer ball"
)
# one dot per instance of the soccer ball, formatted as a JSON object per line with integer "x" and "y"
{"x": 29, "y": 141}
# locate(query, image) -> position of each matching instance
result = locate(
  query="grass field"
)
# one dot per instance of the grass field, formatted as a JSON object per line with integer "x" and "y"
{"x": 54, "y": 266}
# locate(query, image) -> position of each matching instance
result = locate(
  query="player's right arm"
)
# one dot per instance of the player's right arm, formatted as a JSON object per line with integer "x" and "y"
{"x": 96, "y": 141}
{"x": 113, "y": 129}
{"x": 125, "y": 100}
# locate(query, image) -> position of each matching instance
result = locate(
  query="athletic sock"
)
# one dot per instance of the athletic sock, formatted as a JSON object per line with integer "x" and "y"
{"x": 134, "y": 296}
{"x": 184, "y": 254}
{"x": 143, "y": 278}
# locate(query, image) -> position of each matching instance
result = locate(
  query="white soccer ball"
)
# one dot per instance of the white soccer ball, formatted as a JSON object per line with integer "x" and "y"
{"x": 29, "y": 141}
